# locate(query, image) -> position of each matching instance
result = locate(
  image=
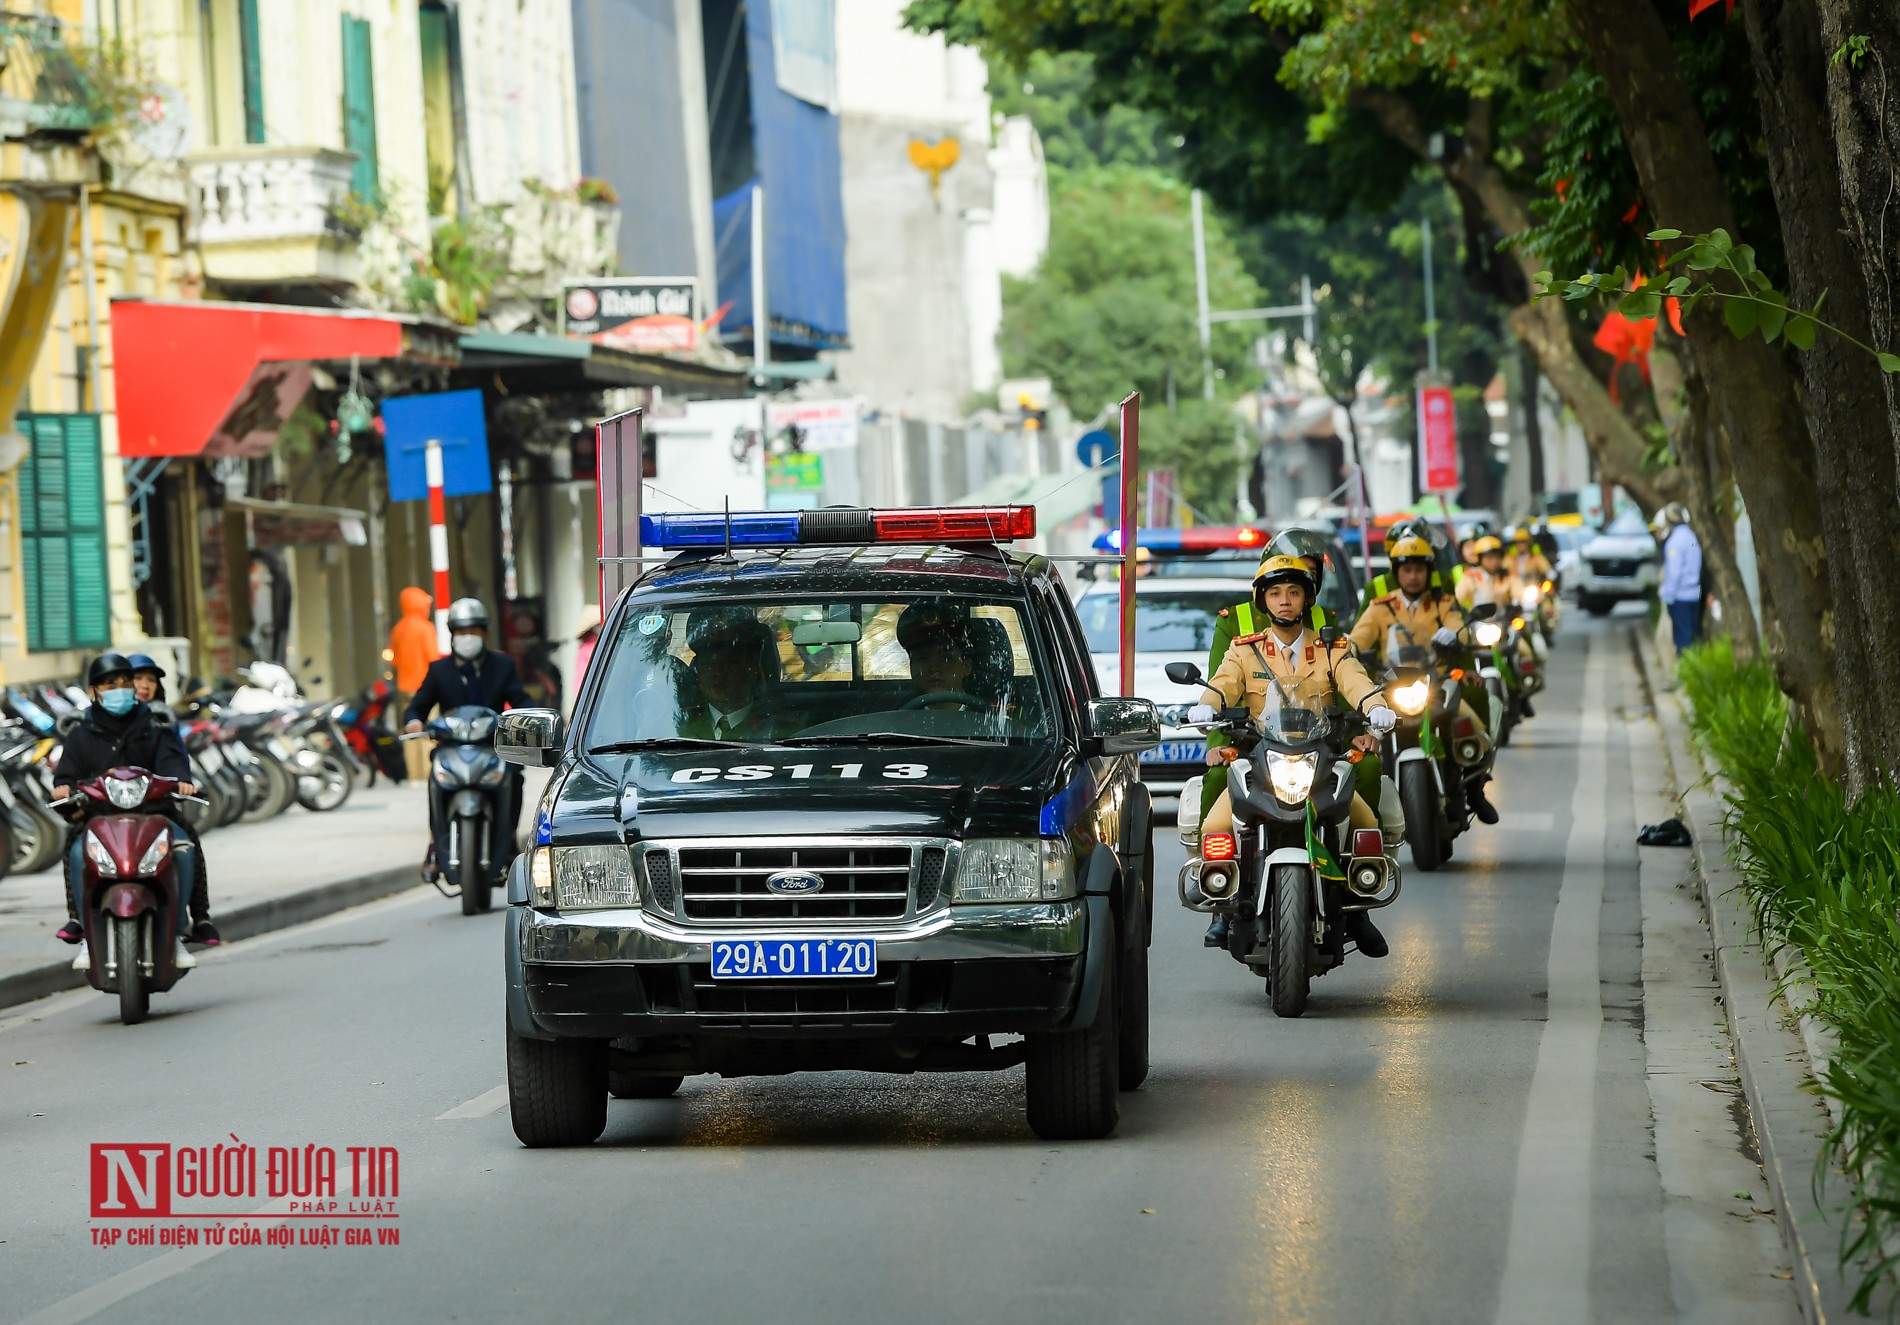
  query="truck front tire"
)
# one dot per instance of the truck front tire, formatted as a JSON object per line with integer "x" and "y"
{"x": 1074, "y": 1076}
{"x": 557, "y": 1090}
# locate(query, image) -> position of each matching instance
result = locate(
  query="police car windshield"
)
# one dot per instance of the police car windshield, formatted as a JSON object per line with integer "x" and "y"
{"x": 933, "y": 669}
{"x": 1166, "y": 621}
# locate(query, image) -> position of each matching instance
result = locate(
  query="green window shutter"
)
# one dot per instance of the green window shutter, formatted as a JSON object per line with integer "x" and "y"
{"x": 359, "y": 107}
{"x": 63, "y": 533}
{"x": 253, "y": 71}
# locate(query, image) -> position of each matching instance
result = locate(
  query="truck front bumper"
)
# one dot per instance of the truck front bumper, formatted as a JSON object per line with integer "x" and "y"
{"x": 954, "y": 973}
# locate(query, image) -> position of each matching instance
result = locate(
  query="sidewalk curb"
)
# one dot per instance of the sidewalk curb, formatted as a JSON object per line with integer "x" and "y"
{"x": 1790, "y": 1121}
{"x": 240, "y": 922}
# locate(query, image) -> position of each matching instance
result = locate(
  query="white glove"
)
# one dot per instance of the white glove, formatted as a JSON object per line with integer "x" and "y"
{"x": 1445, "y": 638}
{"x": 1382, "y": 719}
{"x": 1201, "y": 715}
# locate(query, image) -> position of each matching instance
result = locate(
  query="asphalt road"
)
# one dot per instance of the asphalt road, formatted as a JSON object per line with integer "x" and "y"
{"x": 1461, "y": 1132}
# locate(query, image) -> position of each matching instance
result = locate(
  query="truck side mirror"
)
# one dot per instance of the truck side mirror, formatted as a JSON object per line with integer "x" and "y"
{"x": 1122, "y": 726}
{"x": 533, "y": 738}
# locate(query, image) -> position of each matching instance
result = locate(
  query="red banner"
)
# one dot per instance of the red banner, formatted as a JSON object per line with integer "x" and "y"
{"x": 1437, "y": 441}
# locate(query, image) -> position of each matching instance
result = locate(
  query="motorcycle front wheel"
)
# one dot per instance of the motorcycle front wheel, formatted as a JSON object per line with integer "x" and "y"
{"x": 467, "y": 837}
{"x": 1420, "y": 800}
{"x": 134, "y": 998}
{"x": 1288, "y": 980}
{"x": 326, "y": 786}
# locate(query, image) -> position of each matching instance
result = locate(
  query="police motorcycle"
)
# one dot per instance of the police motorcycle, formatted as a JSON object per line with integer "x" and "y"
{"x": 466, "y": 779}
{"x": 1435, "y": 754}
{"x": 1293, "y": 867}
{"x": 1498, "y": 670}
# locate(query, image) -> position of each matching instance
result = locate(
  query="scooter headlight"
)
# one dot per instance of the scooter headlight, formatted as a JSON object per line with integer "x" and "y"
{"x": 101, "y": 858}
{"x": 127, "y": 793}
{"x": 1292, "y": 775}
{"x": 1487, "y": 633}
{"x": 1410, "y": 699}
{"x": 155, "y": 854}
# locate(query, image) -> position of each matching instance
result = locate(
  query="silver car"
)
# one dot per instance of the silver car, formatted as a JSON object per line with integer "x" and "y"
{"x": 1621, "y": 563}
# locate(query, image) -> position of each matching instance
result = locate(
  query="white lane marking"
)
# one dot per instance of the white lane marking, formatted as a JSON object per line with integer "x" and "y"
{"x": 1547, "y": 1263}
{"x": 89, "y": 1302}
{"x": 1530, "y": 821}
{"x": 489, "y": 1101}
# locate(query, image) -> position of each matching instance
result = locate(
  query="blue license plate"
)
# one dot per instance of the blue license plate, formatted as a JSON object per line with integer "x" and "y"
{"x": 793, "y": 959}
{"x": 1176, "y": 752}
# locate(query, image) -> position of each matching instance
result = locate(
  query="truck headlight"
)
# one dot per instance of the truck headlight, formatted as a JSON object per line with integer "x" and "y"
{"x": 1487, "y": 633}
{"x": 573, "y": 878}
{"x": 1292, "y": 775}
{"x": 1010, "y": 869}
{"x": 1411, "y": 699}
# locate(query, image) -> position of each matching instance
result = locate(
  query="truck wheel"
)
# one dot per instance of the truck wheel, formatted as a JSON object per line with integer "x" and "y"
{"x": 1132, "y": 1015}
{"x": 1288, "y": 979}
{"x": 641, "y": 1085}
{"x": 134, "y": 998}
{"x": 1420, "y": 800}
{"x": 1072, "y": 1075}
{"x": 557, "y": 1090}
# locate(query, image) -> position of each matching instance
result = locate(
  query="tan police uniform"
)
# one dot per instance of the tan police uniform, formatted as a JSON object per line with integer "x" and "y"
{"x": 1482, "y": 586}
{"x": 1420, "y": 618}
{"x": 1309, "y": 675}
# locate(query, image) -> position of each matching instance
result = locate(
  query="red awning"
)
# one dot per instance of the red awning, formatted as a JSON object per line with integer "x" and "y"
{"x": 193, "y": 373}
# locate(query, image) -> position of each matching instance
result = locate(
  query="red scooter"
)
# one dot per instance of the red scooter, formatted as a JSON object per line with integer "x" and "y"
{"x": 130, "y": 891}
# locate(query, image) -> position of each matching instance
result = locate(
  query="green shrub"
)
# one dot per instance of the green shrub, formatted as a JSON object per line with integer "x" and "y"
{"x": 1823, "y": 877}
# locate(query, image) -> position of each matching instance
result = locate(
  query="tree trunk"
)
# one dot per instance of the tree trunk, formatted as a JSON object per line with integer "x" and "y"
{"x": 1533, "y": 424}
{"x": 1754, "y": 396}
{"x": 1847, "y": 410}
{"x": 1543, "y": 325}
{"x": 1702, "y": 458}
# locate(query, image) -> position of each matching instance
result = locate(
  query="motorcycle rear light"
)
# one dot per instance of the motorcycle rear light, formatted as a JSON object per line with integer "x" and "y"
{"x": 1368, "y": 842}
{"x": 1217, "y": 846}
{"x": 1465, "y": 727}
{"x": 1526, "y": 666}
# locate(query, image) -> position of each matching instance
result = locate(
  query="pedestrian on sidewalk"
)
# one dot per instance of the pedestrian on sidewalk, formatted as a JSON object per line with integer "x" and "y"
{"x": 1681, "y": 589}
{"x": 412, "y": 647}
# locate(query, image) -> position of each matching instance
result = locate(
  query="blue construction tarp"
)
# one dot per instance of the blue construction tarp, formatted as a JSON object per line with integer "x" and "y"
{"x": 795, "y": 146}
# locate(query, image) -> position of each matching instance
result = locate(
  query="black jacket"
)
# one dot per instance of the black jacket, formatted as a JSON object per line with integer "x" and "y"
{"x": 102, "y": 742}
{"x": 445, "y": 686}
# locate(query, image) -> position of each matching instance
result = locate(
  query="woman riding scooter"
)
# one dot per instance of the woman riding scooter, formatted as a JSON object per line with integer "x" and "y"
{"x": 117, "y": 731}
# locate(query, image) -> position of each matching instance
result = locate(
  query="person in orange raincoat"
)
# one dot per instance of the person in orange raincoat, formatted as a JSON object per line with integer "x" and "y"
{"x": 412, "y": 647}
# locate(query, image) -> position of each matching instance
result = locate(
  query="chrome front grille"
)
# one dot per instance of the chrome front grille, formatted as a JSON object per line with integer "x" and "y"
{"x": 869, "y": 879}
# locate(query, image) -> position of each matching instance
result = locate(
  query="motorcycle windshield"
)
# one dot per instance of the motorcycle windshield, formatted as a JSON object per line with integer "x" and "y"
{"x": 1292, "y": 727}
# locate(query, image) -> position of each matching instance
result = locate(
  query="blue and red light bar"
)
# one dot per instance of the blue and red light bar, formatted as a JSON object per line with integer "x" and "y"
{"x": 1196, "y": 538}
{"x": 839, "y": 527}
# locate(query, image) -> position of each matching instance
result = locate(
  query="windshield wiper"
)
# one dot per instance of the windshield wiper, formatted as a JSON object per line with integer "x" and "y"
{"x": 880, "y": 738}
{"x": 664, "y": 743}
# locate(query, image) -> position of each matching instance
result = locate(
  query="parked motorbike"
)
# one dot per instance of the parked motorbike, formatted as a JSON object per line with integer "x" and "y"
{"x": 365, "y": 727}
{"x": 130, "y": 891}
{"x": 1434, "y": 754}
{"x": 467, "y": 780}
{"x": 1292, "y": 868}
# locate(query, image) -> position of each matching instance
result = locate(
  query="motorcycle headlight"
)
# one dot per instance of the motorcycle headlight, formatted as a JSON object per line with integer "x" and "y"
{"x": 155, "y": 854}
{"x": 1410, "y": 699}
{"x": 1530, "y": 596}
{"x": 1487, "y": 633}
{"x": 1009, "y": 869}
{"x": 127, "y": 793}
{"x": 101, "y": 858}
{"x": 597, "y": 876}
{"x": 1292, "y": 775}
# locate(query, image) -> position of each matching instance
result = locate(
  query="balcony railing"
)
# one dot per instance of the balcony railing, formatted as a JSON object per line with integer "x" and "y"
{"x": 42, "y": 87}
{"x": 245, "y": 195}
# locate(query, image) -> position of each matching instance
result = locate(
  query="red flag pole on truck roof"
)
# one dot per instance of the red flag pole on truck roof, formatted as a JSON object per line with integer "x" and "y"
{"x": 1130, "y": 462}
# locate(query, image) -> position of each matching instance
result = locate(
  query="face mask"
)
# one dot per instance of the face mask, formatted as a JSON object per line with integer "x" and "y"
{"x": 467, "y": 647}
{"x": 117, "y": 702}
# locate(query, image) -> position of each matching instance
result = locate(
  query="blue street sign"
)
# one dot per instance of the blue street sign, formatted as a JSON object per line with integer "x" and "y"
{"x": 453, "y": 418}
{"x": 1095, "y": 446}
{"x": 1112, "y": 499}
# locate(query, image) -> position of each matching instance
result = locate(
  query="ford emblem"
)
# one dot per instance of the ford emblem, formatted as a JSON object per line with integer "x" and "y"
{"x": 794, "y": 883}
